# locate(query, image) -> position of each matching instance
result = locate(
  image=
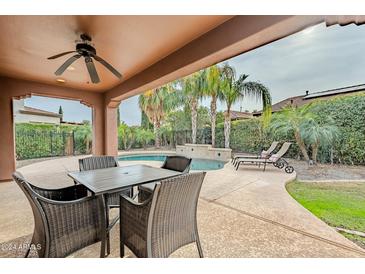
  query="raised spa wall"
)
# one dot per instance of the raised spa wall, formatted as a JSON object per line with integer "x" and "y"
{"x": 204, "y": 152}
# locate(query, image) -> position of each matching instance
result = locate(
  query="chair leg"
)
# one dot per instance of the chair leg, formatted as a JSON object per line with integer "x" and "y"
{"x": 238, "y": 164}
{"x": 108, "y": 245}
{"x": 108, "y": 232}
{"x": 121, "y": 242}
{"x": 28, "y": 250}
{"x": 104, "y": 231}
{"x": 200, "y": 250}
{"x": 121, "y": 249}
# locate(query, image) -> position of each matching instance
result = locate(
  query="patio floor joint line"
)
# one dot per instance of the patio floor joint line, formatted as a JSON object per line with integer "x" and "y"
{"x": 234, "y": 190}
{"x": 319, "y": 238}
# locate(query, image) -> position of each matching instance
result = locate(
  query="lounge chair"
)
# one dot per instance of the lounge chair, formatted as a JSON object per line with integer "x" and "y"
{"x": 263, "y": 155}
{"x": 276, "y": 160}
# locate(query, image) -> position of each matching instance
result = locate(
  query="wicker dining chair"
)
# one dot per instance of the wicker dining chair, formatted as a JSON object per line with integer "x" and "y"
{"x": 65, "y": 220}
{"x": 176, "y": 163}
{"x": 164, "y": 222}
{"x": 111, "y": 199}
{"x": 98, "y": 162}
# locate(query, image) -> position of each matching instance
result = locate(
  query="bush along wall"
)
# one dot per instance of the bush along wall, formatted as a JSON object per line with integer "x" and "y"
{"x": 40, "y": 140}
{"x": 348, "y": 112}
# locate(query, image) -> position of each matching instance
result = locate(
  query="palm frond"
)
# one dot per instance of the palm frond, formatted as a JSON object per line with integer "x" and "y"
{"x": 258, "y": 92}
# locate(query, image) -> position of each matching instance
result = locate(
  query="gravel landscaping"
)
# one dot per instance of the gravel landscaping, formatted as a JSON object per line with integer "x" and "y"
{"x": 327, "y": 172}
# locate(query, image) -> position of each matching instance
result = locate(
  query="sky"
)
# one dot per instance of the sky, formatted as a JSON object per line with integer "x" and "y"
{"x": 316, "y": 59}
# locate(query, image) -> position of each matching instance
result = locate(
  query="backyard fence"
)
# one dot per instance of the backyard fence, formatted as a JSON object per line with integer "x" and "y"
{"x": 171, "y": 139}
{"x": 32, "y": 144}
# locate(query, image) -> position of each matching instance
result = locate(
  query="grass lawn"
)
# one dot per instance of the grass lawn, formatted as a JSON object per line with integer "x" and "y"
{"x": 337, "y": 204}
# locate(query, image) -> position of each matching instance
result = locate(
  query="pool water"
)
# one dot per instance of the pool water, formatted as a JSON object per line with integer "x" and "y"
{"x": 196, "y": 164}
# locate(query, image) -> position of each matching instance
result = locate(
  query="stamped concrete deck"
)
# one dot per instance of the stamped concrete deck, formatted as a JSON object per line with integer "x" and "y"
{"x": 247, "y": 213}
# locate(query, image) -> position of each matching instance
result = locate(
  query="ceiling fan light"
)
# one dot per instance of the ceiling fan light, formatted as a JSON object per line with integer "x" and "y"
{"x": 60, "y": 80}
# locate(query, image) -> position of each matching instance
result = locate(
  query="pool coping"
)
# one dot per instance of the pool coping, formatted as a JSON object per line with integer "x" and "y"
{"x": 151, "y": 152}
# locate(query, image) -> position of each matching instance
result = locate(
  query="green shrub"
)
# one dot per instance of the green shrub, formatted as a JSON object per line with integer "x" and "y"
{"x": 348, "y": 112}
{"x": 41, "y": 140}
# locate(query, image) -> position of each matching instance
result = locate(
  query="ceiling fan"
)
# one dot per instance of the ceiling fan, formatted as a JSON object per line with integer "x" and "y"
{"x": 86, "y": 50}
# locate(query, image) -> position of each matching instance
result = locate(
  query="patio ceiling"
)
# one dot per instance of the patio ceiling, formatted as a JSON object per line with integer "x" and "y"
{"x": 129, "y": 43}
{"x": 148, "y": 50}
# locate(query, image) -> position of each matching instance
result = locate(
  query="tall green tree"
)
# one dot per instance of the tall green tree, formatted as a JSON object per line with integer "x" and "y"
{"x": 60, "y": 111}
{"x": 127, "y": 135}
{"x": 193, "y": 91}
{"x": 233, "y": 90}
{"x": 145, "y": 123}
{"x": 118, "y": 117}
{"x": 156, "y": 104}
{"x": 212, "y": 89}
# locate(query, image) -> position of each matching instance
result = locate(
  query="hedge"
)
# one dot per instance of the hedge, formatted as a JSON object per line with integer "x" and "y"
{"x": 40, "y": 140}
{"x": 348, "y": 112}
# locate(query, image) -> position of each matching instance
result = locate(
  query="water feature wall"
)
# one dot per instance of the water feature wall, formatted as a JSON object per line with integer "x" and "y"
{"x": 204, "y": 152}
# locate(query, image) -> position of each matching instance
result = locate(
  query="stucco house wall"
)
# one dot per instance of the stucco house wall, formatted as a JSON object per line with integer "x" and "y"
{"x": 20, "y": 115}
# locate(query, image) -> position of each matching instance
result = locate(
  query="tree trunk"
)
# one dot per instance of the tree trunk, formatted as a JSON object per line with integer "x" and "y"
{"x": 194, "y": 116}
{"x": 156, "y": 129}
{"x": 227, "y": 127}
{"x": 125, "y": 142}
{"x": 315, "y": 152}
{"x": 213, "y": 117}
{"x": 301, "y": 145}
{"x": 88, "y": 150}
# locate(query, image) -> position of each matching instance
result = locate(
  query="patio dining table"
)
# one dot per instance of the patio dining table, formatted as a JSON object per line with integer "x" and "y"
{"x": 115, "y": 179}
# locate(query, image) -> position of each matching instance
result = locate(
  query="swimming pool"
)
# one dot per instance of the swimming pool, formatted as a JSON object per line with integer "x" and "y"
{"x": 196, "y": 164}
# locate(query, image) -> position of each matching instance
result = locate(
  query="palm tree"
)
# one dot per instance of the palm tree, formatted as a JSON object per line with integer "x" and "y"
{"x": 233, "y": 90}
{"x": 155, "y": 104}
{"x": 212, "y": 89}
{"x": 144, "y": 136}
{"x": 85, "y": 133}
{"x": 293, "y": 119}
{"x": 319, "y": 132}
{"x": 193, "y": 89}
{"x": 125, "y": 133}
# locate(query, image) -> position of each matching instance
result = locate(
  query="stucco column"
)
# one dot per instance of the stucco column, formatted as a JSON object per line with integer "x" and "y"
{"x": 111, "y": 130}
{"x": 7, "y": 146}
{"x": 98, "y": 122}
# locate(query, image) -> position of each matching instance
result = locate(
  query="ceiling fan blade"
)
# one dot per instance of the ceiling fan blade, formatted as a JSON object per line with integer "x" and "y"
{"x": 66, "y": 64}
{"x": 107, "y": 65}
{"x": 59, "y": 55}
{"x": 92, "y": 70}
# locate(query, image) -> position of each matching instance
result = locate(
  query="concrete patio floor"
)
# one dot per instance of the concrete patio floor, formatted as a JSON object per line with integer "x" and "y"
{"x": 244, "y": 213}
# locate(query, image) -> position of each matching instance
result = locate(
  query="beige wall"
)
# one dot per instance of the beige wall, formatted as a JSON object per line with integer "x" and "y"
{"x": 31, "y": 118}
{"x": 19, "y": 117}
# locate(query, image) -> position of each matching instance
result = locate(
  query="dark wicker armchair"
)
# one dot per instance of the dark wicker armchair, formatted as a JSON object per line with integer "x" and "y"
{"x": 176, "y": 163}
{"x": 65, "y": 220}
{"x": 164, "y": 222}
{"x": 98, "y": 162}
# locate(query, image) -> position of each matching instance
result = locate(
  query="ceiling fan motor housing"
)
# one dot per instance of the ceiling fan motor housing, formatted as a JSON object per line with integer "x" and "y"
{"x": 85, "y": 49}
